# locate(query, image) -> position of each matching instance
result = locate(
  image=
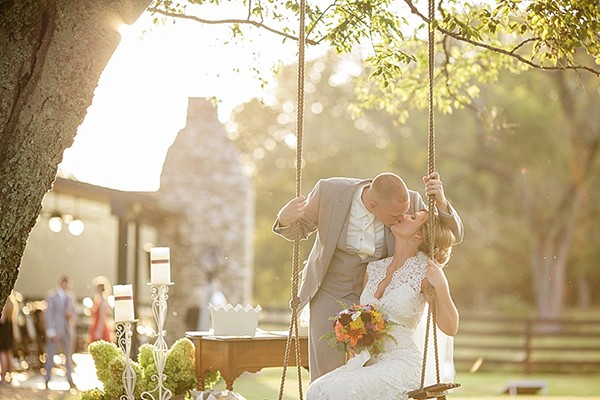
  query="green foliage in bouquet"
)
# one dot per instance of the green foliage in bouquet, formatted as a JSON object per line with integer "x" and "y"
{"x": 110, "y": 364}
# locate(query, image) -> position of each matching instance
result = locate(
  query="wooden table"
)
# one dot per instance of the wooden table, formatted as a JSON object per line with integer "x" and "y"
{"x": 232, "y": 355}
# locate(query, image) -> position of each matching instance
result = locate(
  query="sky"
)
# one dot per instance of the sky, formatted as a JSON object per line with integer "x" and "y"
{"x": 140, "y": 102}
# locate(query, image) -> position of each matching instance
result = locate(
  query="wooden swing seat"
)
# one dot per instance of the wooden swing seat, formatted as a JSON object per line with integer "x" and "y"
{"x": 437, "y": 390}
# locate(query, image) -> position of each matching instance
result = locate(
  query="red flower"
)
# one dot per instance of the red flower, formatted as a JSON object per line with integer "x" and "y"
{"x": 368, "y": 339}
{"x": 345, "y": 319}
{"x": 366, "y": 317}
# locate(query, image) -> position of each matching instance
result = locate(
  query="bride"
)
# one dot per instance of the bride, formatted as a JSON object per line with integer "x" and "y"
{"x": 398, "y": 285}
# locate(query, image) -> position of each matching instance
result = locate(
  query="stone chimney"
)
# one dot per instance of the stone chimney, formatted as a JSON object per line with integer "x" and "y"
{"x": 202, "y": 178}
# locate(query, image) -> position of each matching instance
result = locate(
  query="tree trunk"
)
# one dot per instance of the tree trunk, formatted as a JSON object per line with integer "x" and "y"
{"x": 555, "y": 239}
{"x": 53, "y": 53}
{"x": 549, "y": 277}
{"x": 550, "y": 263}
{"x": 552, "y": 223}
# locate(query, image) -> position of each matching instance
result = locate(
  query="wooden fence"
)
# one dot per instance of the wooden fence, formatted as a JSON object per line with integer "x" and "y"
{"x": 499, "y": 343}
{"x": 527, "y": 344}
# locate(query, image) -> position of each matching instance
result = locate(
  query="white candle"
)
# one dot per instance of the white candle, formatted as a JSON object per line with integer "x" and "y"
{"x": 160, "y": 265}
{"x": 123, "y": 303}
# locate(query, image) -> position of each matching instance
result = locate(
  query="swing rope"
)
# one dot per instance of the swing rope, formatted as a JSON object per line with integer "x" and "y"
{"x": 293, "y": 329}
{"x": 437, "y": 390}
{"x": 431, "y": 314}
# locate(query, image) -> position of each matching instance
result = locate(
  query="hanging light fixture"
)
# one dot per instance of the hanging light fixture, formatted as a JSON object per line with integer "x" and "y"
{"x": 55, "y": 223}
{"x": 76, "y": 225}
{"x": 57, "y": 220}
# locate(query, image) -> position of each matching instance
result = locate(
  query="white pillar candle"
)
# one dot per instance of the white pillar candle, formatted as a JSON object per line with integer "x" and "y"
{"x": 160, "y": 265}
{"x": 123, "y": 303}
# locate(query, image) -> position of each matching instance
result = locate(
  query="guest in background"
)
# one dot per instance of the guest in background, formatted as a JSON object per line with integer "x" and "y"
{"x": 101, "y": 311}
{"x": 60, "y": 326}
{"x": 212, "y": 294}
{"x": 6, "y": 337}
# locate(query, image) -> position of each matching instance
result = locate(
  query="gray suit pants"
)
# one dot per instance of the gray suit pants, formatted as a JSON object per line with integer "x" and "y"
{"x": 322, "y": 356}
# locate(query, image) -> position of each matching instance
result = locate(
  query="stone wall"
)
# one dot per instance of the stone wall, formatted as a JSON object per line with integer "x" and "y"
{"x": 212, "y": 244}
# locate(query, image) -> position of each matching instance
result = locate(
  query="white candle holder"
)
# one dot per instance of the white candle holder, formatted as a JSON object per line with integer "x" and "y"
{"x": 124, "y": 334}
{"x": 159, "y": 309}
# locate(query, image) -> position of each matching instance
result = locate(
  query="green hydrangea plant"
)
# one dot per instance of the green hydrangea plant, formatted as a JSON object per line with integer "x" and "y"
{"x": 94, "y": 394}
{"x": 179, "y": 370}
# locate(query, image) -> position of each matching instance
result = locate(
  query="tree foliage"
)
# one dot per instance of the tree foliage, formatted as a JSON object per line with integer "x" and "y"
{"x": 488, "y": 174}
{"x": 475, "y": 40}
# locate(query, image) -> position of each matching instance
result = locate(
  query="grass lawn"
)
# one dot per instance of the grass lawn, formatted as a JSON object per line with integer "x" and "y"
{"x": 481, "y": 385}
{"x": 265, "y": 384}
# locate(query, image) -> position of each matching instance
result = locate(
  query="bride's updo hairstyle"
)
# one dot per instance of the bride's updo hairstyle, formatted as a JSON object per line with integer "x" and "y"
{"x": 444, "y": 239}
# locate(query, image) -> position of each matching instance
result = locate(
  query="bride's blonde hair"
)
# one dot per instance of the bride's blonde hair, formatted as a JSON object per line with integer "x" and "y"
{"x": 444, "y": 239}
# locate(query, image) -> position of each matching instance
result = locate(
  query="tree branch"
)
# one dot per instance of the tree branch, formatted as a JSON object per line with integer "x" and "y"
{"x": 523, "y": 43}
{"x": 510, "y": 53}
{"x": 316, "y": 22}
{"x": 229, "y": 21}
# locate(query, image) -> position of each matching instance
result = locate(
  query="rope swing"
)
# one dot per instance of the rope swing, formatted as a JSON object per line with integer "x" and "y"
{"x": 293, "y": 330}
{"x": 438, "y": 390}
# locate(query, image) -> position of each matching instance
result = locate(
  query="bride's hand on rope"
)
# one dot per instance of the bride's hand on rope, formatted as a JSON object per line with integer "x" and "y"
{"x": 292, "y": 211}
{"x": 436, "y": 277}
{"x": 434, "y": 186}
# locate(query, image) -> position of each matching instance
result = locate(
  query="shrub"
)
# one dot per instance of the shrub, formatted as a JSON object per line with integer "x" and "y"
{"x": 110, "y": 364}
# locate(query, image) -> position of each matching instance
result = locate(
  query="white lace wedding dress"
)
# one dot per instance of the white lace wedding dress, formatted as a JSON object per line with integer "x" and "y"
{"x": 396, "y": 371}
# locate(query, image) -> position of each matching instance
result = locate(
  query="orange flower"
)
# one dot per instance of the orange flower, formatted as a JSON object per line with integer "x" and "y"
{"x": 340, "y": 335}
{"x": 355, "y": 336}
{"x": 357, "y": 329}
{"x": 380, "y": 324}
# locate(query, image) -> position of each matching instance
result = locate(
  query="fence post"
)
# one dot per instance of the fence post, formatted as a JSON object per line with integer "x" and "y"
{"x": 528, "y": 347}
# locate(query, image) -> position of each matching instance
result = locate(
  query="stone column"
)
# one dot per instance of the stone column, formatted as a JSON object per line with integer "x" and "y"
{"x": 202, "y": 178}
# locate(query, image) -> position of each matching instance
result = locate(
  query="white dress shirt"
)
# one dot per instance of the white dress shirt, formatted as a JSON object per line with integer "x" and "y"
{"x": 365, "y": 232}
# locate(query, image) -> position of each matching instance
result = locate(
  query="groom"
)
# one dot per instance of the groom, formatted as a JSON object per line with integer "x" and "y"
{"x": 352, "y": 219}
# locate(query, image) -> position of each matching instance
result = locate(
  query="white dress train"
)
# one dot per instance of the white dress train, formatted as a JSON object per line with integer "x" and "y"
{"x": 445, "y": 352}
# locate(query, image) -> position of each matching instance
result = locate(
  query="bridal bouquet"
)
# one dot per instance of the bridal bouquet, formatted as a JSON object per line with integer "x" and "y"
{"x": 360, "y": 327}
